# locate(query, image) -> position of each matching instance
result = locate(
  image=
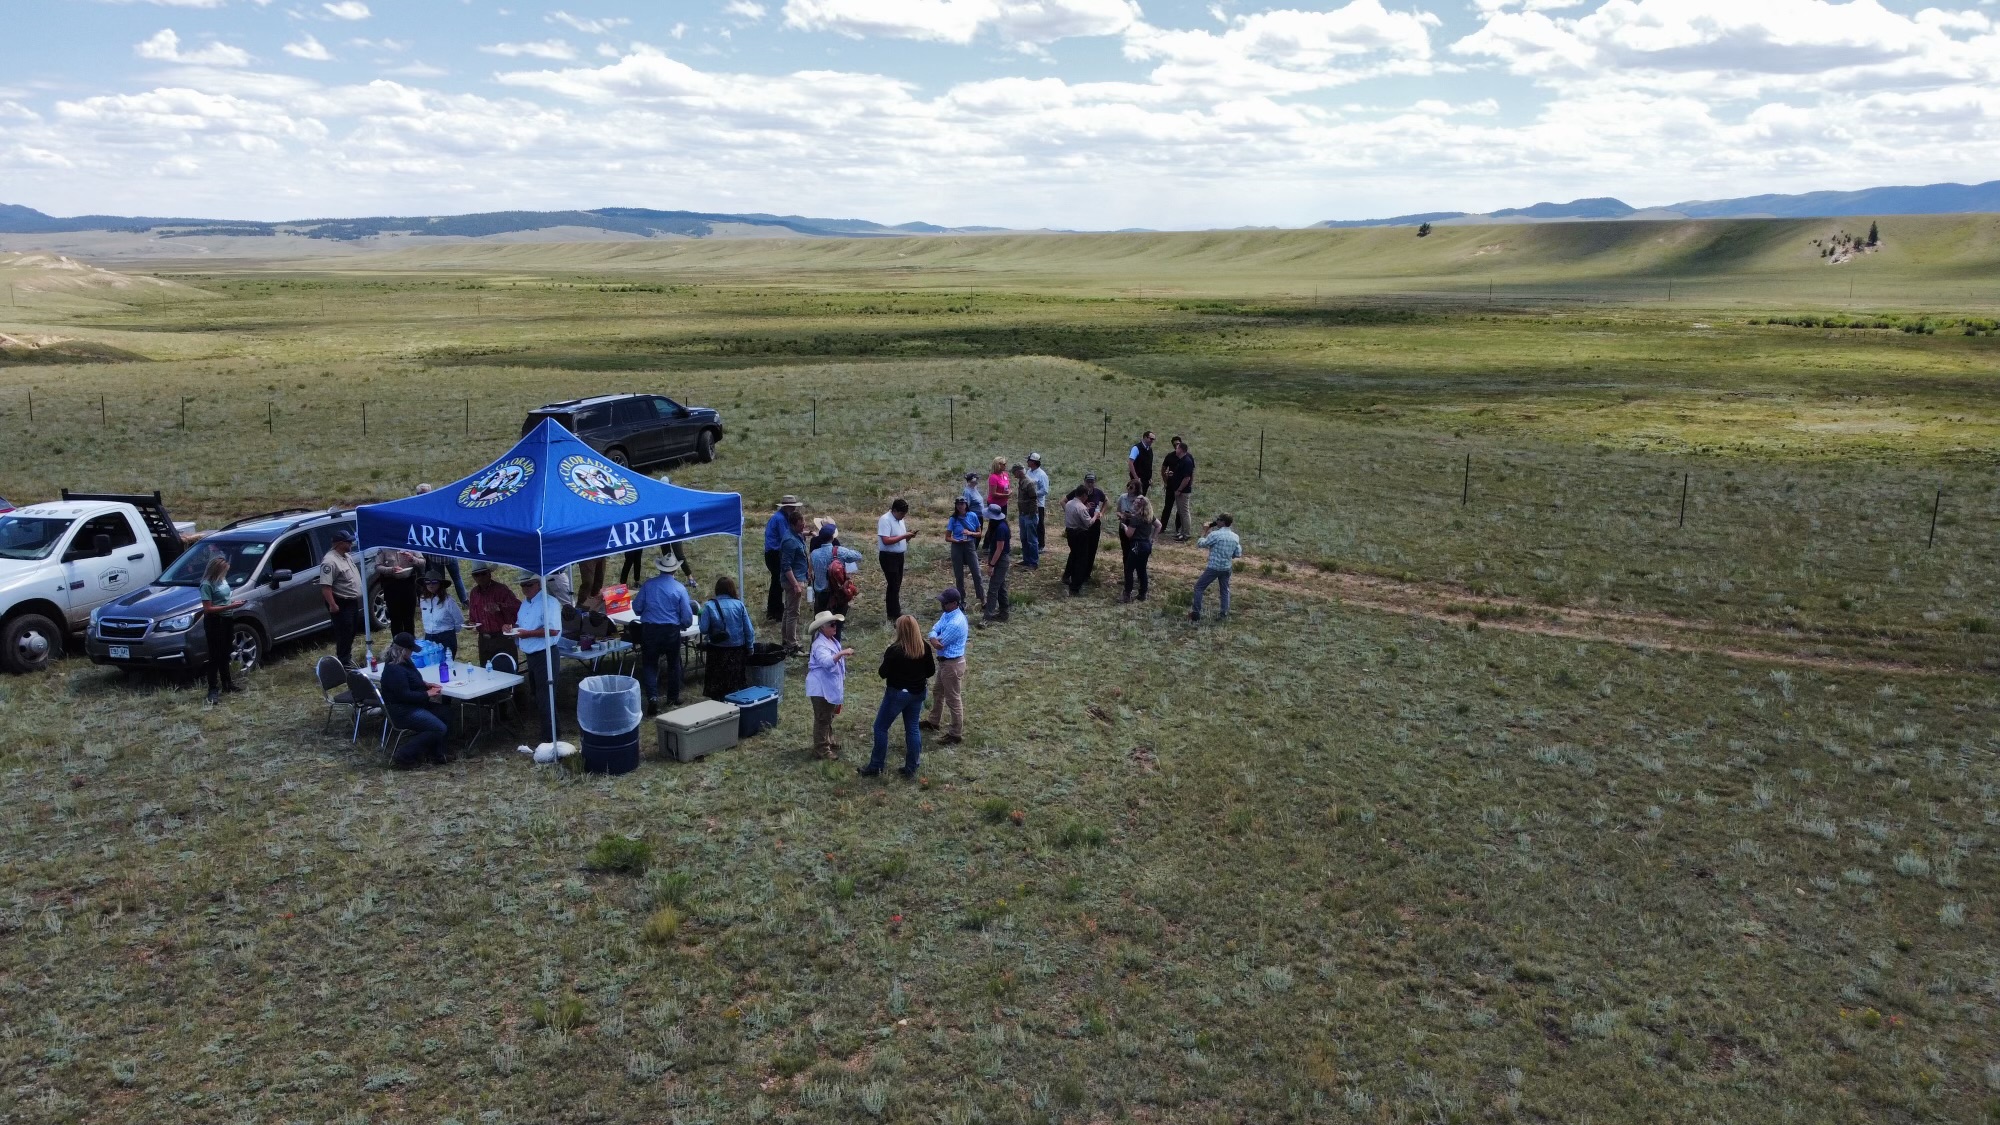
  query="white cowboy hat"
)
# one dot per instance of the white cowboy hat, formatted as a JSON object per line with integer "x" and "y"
{"x": 826, "y": 617}
{"x": 666, "y": 564}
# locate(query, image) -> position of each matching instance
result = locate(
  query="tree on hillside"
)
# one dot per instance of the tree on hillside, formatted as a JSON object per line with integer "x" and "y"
{"x": 1874, "y": 235}
{"x": 1424, "y": 231}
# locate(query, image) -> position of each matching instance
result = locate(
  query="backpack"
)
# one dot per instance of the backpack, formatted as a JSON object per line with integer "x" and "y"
{"x": 836, "y": 578}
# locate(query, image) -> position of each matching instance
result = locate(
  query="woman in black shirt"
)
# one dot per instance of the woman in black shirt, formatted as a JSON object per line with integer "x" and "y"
{"x": 907, "y": 666}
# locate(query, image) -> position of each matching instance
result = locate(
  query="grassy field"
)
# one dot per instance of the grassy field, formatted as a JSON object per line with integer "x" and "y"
{"x": 1501, "y": 798}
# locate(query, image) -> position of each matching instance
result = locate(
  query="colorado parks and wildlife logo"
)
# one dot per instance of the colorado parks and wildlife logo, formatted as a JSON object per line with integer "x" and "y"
{"x": 497, "y": 483}
{"x": 596, "y": 481}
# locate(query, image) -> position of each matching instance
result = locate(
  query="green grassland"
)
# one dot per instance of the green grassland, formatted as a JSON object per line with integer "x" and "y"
{"x": 1325, "y": 863}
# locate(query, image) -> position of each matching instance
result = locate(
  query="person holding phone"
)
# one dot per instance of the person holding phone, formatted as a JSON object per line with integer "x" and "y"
{"x": 1219, "y": 539}
{"x": 217, "y": 599}
{"x": 963, "y": 531}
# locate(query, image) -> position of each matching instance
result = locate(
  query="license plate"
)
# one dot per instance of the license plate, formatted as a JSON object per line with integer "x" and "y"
{"x": 121, "y": 652}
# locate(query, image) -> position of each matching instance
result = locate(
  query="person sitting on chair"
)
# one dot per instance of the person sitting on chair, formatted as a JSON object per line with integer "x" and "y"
{"x": 413, "y": 705}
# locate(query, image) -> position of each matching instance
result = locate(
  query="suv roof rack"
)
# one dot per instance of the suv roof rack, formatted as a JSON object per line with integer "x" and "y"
{"x": 261, "y": 517}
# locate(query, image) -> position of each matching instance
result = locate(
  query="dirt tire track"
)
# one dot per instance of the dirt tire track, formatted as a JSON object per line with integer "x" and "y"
{"x": 1456, "y": 606}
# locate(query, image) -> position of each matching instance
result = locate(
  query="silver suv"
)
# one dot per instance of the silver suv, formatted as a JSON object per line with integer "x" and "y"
{"x": 274, "y": 570}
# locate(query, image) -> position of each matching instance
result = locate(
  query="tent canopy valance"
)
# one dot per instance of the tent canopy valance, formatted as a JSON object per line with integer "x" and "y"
{"x": 548, "y": 502}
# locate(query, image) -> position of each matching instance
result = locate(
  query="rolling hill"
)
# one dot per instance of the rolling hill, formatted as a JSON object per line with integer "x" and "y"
{"x": 1765, "y": 256}
{"x": 1931, "y": 199}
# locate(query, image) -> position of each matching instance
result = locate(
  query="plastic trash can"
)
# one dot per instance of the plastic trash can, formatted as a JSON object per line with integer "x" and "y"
{"x": 765, "y": 667}
{"x": 609, "y": 710}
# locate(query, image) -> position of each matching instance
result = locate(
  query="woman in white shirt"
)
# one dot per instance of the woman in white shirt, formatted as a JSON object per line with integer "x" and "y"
{"x": 442, "y": 617}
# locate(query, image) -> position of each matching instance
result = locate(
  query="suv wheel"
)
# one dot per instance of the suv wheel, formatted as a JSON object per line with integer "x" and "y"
{"x": 246, "y": 647}
{"x": 704, "y": 447}
{"x": 378, "y": 610}
{"x": 30, "y": 643}
{"x": 618, "y": 458}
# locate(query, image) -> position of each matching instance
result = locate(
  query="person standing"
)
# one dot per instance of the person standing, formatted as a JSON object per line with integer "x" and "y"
{"x": 1139, "y": 462}
{"x": 962, "y": 530}
{"x": 998, "y": 486}
{"x": 1024, "y": 519}
{"x": 892, "y": 545}
{"x": 826, "y": 683}
{"x": 396, "y": 577}
{"x": 907, "y": 666}
{"x": 216, "y": 601}
{"x": 665, "y": 611}
{"x": 561, "y": 589}
{"x": 792, "y": 567}
{"x": 1125, "y": 500}
{"x": 727, "y": 633}
{"x": 444, "y": 564}
{"x": 774, "y": 541}
{"x": 970, "y": 493}
{"x": 826, "y": 551}
{"x": 995, "y": 548}
{"x": 413, "y": 704}
{"x": 1039, "y": 477}
{"x": 1137, "y": 528}
{"x": 538, "y": 623}
{"x": 493, "y": 607}
{"x": 340, "y": 585}
{"x": 1224, "y": 548}
{"x": 441, "y": 615}
{"x": 1083, "y": 526}
{"x": 947, "y": 639}
{"x": 1177, "y": 482}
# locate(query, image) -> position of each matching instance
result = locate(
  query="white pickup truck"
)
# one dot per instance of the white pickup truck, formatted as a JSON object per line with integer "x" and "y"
{"x": 62, "y": 559}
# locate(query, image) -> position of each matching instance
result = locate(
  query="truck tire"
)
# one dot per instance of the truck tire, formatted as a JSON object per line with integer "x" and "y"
{"x": 704, "y": 447}
{"x": 30, "y": 643}
{"x": 246, "y": 646}
{"x": 618, "y": 457}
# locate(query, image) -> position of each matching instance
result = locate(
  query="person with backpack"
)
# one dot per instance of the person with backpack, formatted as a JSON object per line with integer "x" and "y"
{"x": 832, "y": 567}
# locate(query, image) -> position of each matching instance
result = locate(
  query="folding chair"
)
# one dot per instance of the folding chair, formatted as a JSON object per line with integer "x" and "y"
{"x": 367, "y": 703}
{"x": 332, "y": 677}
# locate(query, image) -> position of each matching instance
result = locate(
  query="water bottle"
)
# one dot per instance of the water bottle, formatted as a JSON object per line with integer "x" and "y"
{"x": 444, "y": 668}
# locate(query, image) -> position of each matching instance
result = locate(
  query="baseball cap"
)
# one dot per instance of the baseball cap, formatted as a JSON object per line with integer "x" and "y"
{"x": 1035, "y": 457}
{"x": 1090, "y": 476}
{"x": 343, "y": 536}
{"x": 404, "y": 640}
{"x": 951, "y": 596}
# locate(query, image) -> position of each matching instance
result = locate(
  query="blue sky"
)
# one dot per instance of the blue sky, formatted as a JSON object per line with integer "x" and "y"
{"x": 1022, "y": 113}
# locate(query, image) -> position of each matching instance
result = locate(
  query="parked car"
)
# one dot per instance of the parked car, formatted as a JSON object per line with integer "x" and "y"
{"x": 6, "y": 505}
{"x": 274, "y": 571}
{"x": 63, "y": 559}
{"x": 636, "y": 429}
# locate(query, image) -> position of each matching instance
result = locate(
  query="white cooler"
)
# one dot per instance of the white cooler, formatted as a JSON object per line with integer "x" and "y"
{"x": 697, "y": 730}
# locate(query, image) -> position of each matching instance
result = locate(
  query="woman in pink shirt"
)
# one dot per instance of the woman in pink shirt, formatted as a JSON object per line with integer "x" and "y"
{"x": 997, "y": 483}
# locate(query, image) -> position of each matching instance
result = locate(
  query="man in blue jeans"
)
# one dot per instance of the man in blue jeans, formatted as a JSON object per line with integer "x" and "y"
{"x": 1224, "y": 548}
{"x": 665, "y": 611}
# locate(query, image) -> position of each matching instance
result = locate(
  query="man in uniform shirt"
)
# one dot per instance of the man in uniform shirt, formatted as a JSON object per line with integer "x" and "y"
{"x": 1177, "y": 480}
{"x": 340, "y": 585}
{"x": 1039, "y": 478}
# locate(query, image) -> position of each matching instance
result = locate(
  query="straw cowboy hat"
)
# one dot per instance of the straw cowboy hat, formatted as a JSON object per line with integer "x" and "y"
{"x": 667, "y": 564}
{"x": 826, "y": 617}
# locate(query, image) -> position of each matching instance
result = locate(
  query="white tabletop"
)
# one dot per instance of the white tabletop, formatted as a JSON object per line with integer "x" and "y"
{"x": 627, "y": 617}
{"x": 570, "y": 650}
{"x": 468, "y": 681}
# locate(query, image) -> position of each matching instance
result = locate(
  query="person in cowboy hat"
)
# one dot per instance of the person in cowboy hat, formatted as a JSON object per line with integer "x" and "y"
{"x": 1039, "y": 478}
{"x": 665, "y": 611}
{"x": 492, "y": 608}
{"x": 537, "y": 625}
{"x": 826, "y": 682}
{"x": 441, "y": 616}
{"x": 774, "y": 542}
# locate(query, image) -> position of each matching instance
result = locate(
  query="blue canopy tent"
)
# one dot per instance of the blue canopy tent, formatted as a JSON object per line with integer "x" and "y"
{"x": 547, "y": 503}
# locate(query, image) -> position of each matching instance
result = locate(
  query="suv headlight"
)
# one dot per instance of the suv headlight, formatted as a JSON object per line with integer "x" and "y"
{"x": 177, "y": 624}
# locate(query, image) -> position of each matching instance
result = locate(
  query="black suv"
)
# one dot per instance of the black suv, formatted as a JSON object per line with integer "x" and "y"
{"x": 635, "y": 429}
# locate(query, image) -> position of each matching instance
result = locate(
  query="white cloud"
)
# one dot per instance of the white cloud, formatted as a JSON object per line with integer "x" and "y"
{"x": 1290, "y": 50}
{"x": 172, "y": 3}
{"x": 165, "y": 46}
{"x": 744, "y": 9}
{"x": 554, "y": 49}
{"x": 347, "y": 9}
{"x": 390, "y": 45}
{"x": 960, "y": 21}
{"x": 417, "y": 69}
{"x": 310, "y": 49}
{"x": 588, "y": 26}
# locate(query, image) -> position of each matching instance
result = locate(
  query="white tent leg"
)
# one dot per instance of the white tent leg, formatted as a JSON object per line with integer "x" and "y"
{"x": 367, "y": 615}
{"x": 739, "y": 565}
{"x": 549, "y": 665}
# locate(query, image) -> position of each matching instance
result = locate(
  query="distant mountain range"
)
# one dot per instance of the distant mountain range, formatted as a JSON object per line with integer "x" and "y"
{"x": 1931, "y": 199}
{"x": 630, "y": 221}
